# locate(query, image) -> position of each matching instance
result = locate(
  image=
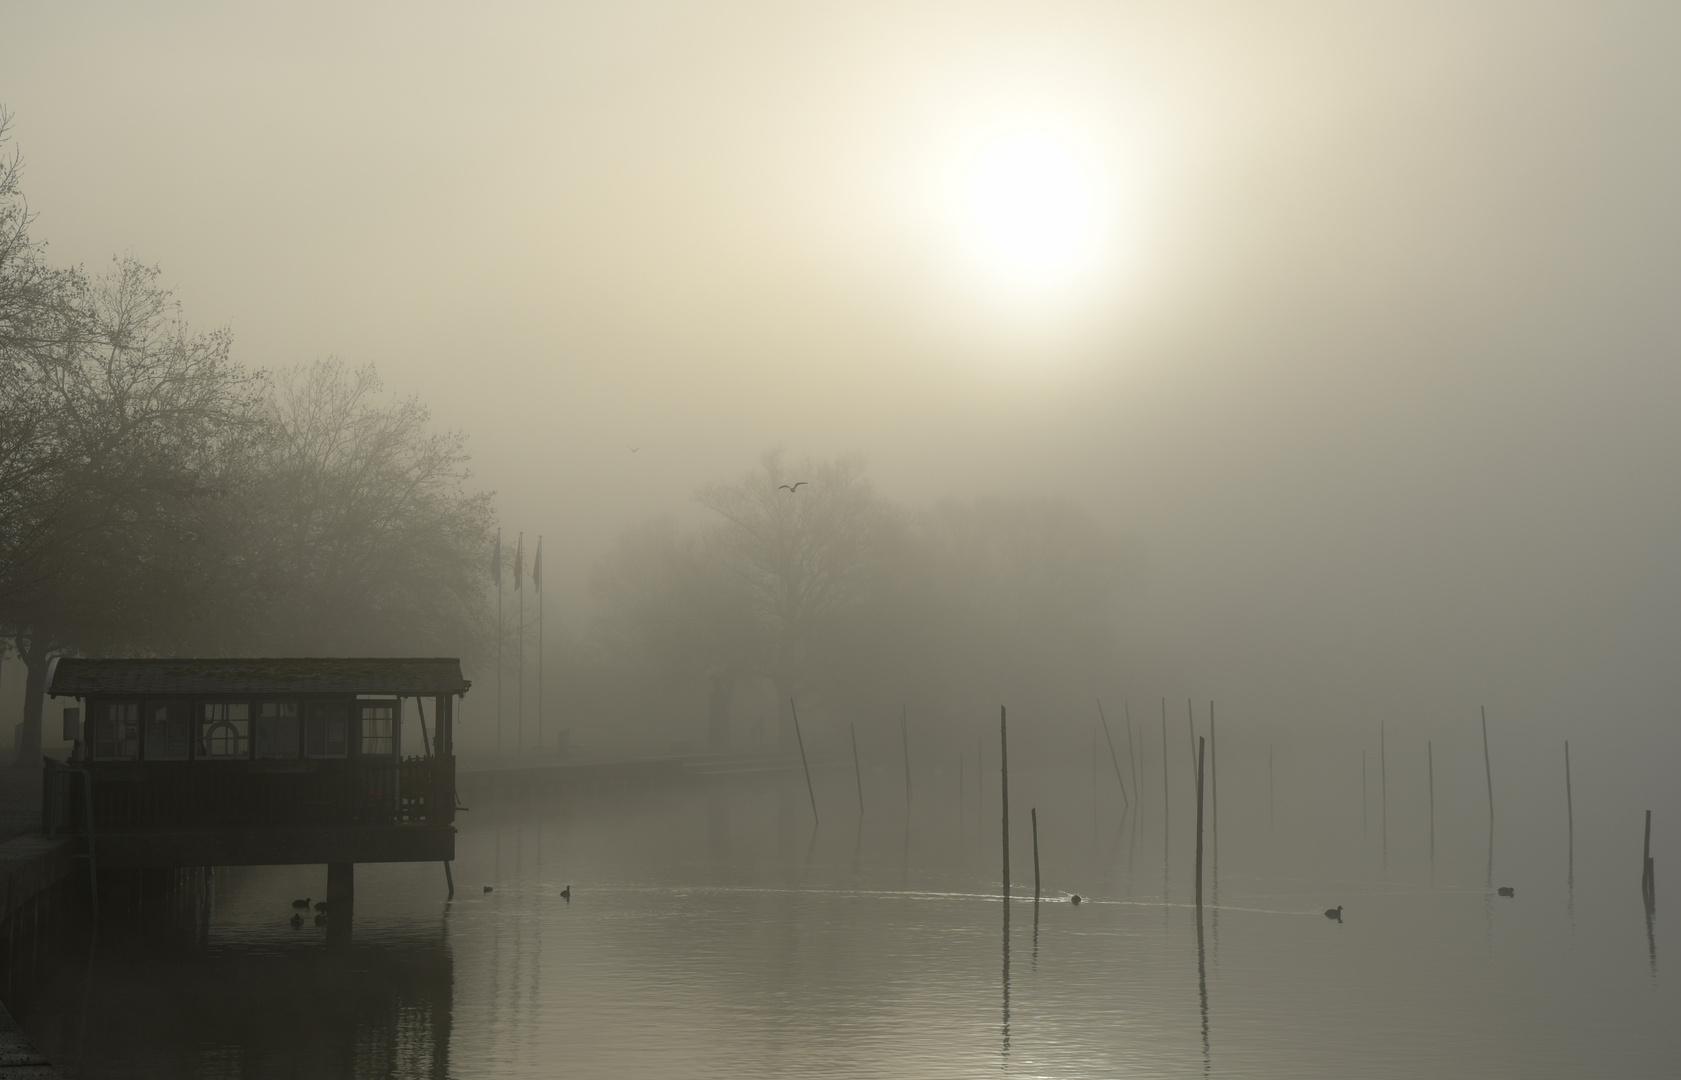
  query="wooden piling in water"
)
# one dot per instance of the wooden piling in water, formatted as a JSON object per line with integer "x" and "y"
{"x": 1132, "y": 759}
{"x": 1430, "y": 761}
{"x": 1191, "y": 734}
{"x": 1004, "y": 794}
{"x": 1214, "y": 776}
{"x": 1488, "y": 770}
{"x": 1035, "y": 814}
{"x": 1647, "y": 892}
{"x": 1199, "y": 821}
{"x": 905, "y": 740}
{"x": 857, "y": 771}
{"x": 1113, "y": 760}
{"x": 1569, "y": 805}
{"x": 1383, "y": 788}
{"x": 1364, "y": 799}
{"x": 1272, "y": 820}
{"x": 1165, "y": 804}
{"x": 809, "y": 790}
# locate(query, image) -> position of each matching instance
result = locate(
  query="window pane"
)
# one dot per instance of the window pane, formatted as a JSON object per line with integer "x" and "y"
{"x": 277, "y": 729}
{"x": 166, "y": 731}
{"x": 326, "y": 725}
{"x": 116, "y": 732}
{"x": 225, "y": 732}
{"x": 378, "y": 722}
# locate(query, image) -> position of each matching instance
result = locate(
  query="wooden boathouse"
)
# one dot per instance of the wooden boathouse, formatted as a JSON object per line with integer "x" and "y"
{"x": 258, "y": 762}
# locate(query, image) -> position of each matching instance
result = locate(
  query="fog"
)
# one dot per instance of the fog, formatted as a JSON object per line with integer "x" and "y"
{"x": 1371, "y": 360}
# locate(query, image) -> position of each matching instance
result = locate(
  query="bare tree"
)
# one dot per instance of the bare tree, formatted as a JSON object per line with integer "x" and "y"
{"x": 804, "y": 543}
{"x": 137, "y": 413}
{"x": 362, "y": 534}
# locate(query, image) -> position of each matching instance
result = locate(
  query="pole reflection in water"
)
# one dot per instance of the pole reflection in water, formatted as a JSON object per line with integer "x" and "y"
{"x": 1006, "y": 1051}
{"x": 1202, "y": 992}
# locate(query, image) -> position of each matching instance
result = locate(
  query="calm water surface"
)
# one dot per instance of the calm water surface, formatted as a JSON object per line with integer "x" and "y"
{"x": 713, "y": 933}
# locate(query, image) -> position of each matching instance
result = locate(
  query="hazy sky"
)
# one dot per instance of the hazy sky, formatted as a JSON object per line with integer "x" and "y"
{"x": 1362, "y": 318}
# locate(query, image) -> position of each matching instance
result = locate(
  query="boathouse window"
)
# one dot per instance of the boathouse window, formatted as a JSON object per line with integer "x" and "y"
{"x": 327, "y": 729}
{"x": 378, "y": 722}
{"x": 225, "y": 732}
{"x": 277, "y": 729}
{"x": 167, "y": 731}
{"x": 116, "y": 733}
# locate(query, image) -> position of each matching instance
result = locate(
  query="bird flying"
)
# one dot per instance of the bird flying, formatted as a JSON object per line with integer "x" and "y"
{"x": 790, "y": 489}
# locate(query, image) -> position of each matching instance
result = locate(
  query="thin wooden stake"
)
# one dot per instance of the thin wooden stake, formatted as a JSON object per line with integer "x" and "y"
{"x": 1430, "y": 758}
{"x": 905, "y": 739}
{"x": 1569, "y": 803}
{"x": 809, "y": 790}
{"x": 1113, "y": 760}
{"x": 1646, "y": 863}
{"x": 1383, "y": 787}
{"x": 857, "y": 772}
{"x": 1191, "y": 734}
{"x": 1199, "y": 821}
{"x": 1132, "y": 759}
{"x": 1488, "y": 770}
{"x": 1213, "y": 776}
{"x": 1165, "y": 803}
{"x": 1004, "y": 794}
{"x": 1035, "y": 814}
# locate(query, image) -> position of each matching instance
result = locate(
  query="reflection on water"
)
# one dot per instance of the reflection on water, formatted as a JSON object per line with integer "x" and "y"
{"x": 714, "y": 933}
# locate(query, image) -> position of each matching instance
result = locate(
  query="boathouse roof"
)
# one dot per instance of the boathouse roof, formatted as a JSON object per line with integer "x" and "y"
{"x": 82, "y": 677}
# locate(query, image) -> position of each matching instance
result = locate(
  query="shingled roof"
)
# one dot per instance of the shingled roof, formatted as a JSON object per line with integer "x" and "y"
{"x": 79, "y": 677}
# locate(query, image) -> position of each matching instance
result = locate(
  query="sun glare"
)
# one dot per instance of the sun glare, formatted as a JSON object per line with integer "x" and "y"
{"x": 1030, "y": 208}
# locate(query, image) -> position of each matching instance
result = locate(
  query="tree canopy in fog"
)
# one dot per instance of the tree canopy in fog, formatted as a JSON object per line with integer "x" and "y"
{"x": 156, "y": 497}
{"x": 834, "y": 594}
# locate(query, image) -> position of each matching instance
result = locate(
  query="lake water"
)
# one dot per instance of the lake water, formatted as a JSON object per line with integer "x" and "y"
{"x": 712, "y": 932}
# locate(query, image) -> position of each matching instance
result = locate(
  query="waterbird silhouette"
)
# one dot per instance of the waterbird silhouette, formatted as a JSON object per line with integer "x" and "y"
{"x": 488, "y": 888}
{"x": 321, "y": 919}
{"x": 788, "y": 489}
{"x": 1334, "y": 913}
{"x": 1076, "y": 898}
{"x": 297, "y": 919}
{"x": 566, "y": 894}
{"x": 301, "y": 905}
{"x": 1506, "y": 890}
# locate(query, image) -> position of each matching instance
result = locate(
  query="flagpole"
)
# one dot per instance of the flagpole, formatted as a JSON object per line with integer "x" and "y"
{"x": 537, "y": 582}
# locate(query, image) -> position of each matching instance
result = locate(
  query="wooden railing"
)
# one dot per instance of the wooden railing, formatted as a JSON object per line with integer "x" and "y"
{"x": 193, "y": 795}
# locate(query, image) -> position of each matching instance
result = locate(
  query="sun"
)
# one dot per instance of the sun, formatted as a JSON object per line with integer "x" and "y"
{"x": 1029, "y": 207}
